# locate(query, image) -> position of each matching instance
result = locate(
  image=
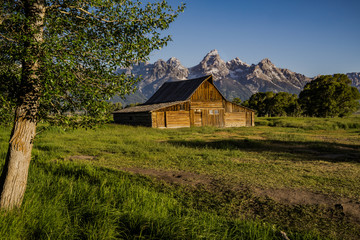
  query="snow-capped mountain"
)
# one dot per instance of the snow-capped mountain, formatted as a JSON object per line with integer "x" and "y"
{"x": 211, "y": 64}
{"x": 234, "y": 78}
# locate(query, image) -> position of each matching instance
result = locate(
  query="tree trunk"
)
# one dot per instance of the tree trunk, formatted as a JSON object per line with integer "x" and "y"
{"x": 14, "y": 176}
{"x": 15, "y": 172}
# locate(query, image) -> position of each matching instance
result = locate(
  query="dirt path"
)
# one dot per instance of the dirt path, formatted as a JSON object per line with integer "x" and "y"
{"x": 349, "y": 207}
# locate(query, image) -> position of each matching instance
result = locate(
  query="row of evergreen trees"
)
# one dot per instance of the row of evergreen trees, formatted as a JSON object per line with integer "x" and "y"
{"x": 326, "y": 96}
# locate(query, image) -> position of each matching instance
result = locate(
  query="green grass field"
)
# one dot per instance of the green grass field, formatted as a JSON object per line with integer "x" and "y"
{"x": 297, "y": 175}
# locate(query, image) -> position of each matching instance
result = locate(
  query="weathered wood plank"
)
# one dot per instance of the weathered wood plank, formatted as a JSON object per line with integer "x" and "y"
{"x": 235, "y": 119}
{"x": 178, "y": 107}
{"x": 202, "y": 105}
{"x": 206, "y": 92}
{"x": 160, "y": 119}
{"x": 153, "y": 120}
{"x": 177, "y": 119}
{"x": 192, "y": 118}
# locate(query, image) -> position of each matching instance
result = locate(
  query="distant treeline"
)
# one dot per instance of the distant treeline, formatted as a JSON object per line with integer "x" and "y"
{"x": 326, "y": 96}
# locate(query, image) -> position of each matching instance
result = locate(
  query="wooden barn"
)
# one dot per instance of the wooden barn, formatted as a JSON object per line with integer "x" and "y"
{"x": 195, "y": 102}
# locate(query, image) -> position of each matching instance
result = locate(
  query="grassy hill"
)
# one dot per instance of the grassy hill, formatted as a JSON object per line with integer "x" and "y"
{"x": 293, "y": 175}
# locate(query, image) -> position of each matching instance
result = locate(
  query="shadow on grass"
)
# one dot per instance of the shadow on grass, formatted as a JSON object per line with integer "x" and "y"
{"x": 333, "y": 152}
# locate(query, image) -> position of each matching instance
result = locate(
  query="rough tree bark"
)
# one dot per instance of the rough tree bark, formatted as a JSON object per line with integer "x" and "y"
{"x": 13, "y": 179}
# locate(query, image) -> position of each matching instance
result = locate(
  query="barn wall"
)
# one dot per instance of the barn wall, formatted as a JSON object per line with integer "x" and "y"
{"x": 135, "y": 119}
{"x": 232, "y": 107}
{"x": 238, "y": 116}
{"x": 235, "y": 119}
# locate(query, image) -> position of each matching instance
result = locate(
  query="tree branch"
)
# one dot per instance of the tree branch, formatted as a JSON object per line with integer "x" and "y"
{"x": 94, "y": 16}
{"x": 9, "y": 39}
{"x": 91, "y": 14}
{"x": 81, "y": 10}
{"x": 67, "y": 13}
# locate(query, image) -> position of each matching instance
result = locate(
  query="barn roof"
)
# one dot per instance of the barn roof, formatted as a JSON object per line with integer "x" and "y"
{"x": 177, "y": 91}
{"x": 148, "y": 108}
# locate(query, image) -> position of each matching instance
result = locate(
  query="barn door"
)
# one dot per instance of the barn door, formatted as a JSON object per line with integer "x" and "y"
{"x": 215, "y": 117}
{"x": 197, "y": 118}
{"x": 160, "y": 119}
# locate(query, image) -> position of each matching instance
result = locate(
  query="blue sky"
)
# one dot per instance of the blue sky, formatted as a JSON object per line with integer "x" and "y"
{"x": 309, "y": 37}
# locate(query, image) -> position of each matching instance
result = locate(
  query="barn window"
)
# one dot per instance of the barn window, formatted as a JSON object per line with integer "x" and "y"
{"x": 214, "y": 112}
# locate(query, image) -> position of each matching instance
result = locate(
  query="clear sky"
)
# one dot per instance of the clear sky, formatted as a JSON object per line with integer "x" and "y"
{"x": 306, "y": 36}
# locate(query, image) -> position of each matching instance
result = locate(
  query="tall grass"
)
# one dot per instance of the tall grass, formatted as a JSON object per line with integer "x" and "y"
{"x": 72, "y": 201}
{"x": 309, "y": 123}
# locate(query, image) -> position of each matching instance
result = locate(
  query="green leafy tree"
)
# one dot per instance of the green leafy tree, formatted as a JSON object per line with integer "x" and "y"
{"x": 237, "y": 100}
{"x": 329, "y": 96}
{"x": 9, "y": 84}
{"x": 293, "y": 108}
{"x": 60, "y": 56}
{"x": 274, "y": 105}
{"x": 117, "y": 106}
{"x": 284, "y": 104}
{"x": 260, "y": 103}
{"x": 245, "y": 103}
{"x": 277, "y": 105}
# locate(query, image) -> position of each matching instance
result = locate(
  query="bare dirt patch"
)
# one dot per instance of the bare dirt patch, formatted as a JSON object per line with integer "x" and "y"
{"x": 290, "y": 197}
{"x": 302, "y": 197}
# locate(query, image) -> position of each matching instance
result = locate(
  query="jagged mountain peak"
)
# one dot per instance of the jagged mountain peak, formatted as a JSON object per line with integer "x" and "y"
{"x": 176, "y": 70}
{"x": 212, "y": 57}
{"x": 173, "y": 60}
{"x": 238, "y": 61}
{"x": 266, "y": 62}
{"x": 211, "y": 64}
{"x": 213, "y": 52}
{"x": 160, "y": 64}
{"x": 236, "y": 64}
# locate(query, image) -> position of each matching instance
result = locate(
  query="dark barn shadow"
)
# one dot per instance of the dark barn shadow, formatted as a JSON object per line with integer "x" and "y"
{"x": 306, "y": 151}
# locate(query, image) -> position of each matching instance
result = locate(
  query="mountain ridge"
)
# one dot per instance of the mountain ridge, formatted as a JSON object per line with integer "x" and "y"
{"x": 233, "y": 78}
